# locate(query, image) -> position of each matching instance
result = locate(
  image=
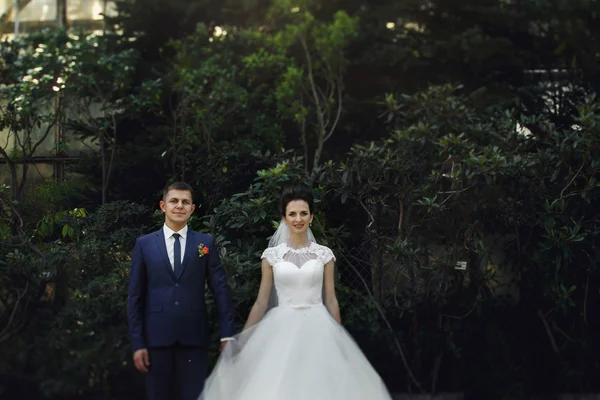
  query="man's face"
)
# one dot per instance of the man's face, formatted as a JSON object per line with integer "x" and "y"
{"x": 178, "y": 207}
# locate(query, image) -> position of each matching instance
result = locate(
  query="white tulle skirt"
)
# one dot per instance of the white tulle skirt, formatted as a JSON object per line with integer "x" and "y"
{"x": 294, "y": 354}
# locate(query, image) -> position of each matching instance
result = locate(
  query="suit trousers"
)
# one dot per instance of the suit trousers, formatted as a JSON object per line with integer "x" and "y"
{"x": 176, "y": 372}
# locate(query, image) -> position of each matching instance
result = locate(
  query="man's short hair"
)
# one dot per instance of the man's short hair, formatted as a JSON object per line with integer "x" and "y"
{"x": 178, "y": 186}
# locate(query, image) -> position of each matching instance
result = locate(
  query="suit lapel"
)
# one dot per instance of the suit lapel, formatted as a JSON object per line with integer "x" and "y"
{"x": 189, "y": 251}
{"x": 162, "y": 249}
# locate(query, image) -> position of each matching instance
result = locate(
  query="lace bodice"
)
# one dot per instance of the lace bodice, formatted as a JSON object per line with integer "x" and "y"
{"x": 298, "y": 273}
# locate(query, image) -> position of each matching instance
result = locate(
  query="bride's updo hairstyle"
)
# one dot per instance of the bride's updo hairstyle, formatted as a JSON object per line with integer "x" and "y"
{"x": 295, "y": 193}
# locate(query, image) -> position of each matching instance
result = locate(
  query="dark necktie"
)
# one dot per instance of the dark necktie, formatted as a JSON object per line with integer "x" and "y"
{"x": 177, "y": 254}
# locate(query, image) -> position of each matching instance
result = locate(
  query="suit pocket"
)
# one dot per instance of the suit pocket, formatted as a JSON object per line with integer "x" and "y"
{"x": 154, "y": 308}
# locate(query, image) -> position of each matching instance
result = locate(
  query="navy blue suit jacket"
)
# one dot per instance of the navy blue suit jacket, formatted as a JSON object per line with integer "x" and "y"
{"x": 164, "y": 308}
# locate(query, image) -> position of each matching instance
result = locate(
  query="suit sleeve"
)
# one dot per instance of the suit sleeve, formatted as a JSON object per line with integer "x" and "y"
{"x": 217, "y": 283}
{"x": 136, "y": 298}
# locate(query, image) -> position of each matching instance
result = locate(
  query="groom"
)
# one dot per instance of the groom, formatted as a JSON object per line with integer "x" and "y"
{"x": 166, "y": 305}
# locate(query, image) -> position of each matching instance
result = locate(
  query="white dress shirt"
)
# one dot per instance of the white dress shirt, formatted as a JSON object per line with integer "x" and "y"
{"x": 170, "y": 242}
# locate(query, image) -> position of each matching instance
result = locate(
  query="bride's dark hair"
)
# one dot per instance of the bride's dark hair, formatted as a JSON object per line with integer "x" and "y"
{"x": 296, "y": 192}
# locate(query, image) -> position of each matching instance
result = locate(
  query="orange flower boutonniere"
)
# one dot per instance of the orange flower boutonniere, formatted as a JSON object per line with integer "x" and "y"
{"x": 202, "y": 250}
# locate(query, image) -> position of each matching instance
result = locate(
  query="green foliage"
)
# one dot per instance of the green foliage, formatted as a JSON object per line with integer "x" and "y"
{"x": 255, "y": 212}
{"x": 250, "y": 217}
{"x": 220, "y": 128}
{"x": 499, "y": 172}
{"x": 78, "y": 338}
{"x": 32, "y": 74}
{"x": 307, "y": 58}
{"x": 455, "y": 183}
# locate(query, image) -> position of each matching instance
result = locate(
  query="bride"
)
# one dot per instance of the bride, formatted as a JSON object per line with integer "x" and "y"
{"x": 298, "y": 350}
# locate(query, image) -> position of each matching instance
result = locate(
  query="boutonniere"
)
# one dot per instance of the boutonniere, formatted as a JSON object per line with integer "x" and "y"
{"x": 202, "y": 250}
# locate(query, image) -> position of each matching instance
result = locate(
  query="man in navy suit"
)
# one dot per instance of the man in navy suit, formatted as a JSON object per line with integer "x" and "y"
{"x": 166, "y": 305}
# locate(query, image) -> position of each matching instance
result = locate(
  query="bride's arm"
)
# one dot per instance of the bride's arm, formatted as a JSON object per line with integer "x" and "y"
{"x": 264, "y": 292}
{"x": 330, "y": 298}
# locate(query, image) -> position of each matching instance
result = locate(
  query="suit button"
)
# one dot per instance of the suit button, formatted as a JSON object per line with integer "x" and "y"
{"x": 177, "y": 285}
{"x": 176, "y": 303}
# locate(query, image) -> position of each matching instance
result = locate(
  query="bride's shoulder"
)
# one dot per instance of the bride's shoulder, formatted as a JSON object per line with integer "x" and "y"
{"x": 323, "y": 252}
{"x": 272, "y": 253}
{"x": 273, "y": 250}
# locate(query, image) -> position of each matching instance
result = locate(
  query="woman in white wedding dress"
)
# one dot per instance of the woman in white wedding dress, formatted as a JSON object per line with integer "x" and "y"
{"x": 298, "y": 350}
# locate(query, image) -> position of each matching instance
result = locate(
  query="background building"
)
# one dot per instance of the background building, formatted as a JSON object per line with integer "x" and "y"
{"x": 20, "y": 17}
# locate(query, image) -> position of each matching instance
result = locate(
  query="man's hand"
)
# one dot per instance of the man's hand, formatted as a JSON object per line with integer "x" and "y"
{"x": 141, "y": 360}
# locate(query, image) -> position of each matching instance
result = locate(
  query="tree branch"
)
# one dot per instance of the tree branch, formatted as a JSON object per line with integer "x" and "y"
{"x": 113, "y": 150}
{"x": 359, "y": 201}
{"x": 339, "y": 110}
{"x": 548, "y": 332}
{"x": 311, "y": 80}
{"x": 384, "y": 318}
{"x": 304, "y": 139}
{"x": 573, "y": 179}
{"x": 9, "y": 330}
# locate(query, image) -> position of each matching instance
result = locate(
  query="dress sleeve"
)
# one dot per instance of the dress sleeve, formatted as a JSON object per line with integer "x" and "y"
{"x": 325, "y": 254}
{"x": 270, "y": 254}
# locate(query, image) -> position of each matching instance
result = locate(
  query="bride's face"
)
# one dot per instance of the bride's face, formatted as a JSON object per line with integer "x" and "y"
{"x": 298, "y": 216}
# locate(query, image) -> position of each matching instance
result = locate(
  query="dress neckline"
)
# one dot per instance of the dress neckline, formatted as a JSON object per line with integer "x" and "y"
{"x": 299, "y": 249}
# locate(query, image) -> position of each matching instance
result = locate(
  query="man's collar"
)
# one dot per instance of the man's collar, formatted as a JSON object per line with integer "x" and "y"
{"x": 169, "y": 232}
